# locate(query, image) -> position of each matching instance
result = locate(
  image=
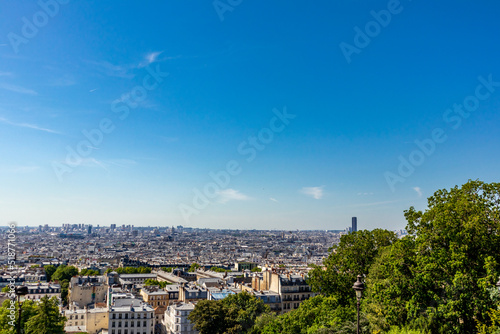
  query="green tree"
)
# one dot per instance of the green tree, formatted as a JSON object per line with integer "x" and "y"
{"x": 242, "y": 310}
{"x": 89, "y": 272}
{"x": 193, "y": 267}
{"x": 64, "y": 291}
{"x": 162, "y": 284}
{"x": 5, "y": 320}
{"x": 64, "y": 273}
{"x": 47, "y": 320}
{"x": 457, "y": 258}
{"x": 319, "y": 314}
{"x": 391, "y": 285}
{"x": 49, "y": 271}
{"x": 233, "y": 314}
{"x": 353, "y": 256}
{"x": 209, "y": 317}
{"x": 441, "y": 277}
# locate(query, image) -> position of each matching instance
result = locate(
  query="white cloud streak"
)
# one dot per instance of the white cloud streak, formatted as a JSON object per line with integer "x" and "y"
{"x": 418, "y": 190}
{"x": 227, "y": 195}
{"x": 17, "y": 89}
{"x": 314, "y": 192}
{"x": 29, "y": 126}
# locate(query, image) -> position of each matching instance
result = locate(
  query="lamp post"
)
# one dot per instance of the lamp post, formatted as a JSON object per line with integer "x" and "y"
{"x": 20, "y": 291}
{"x": 358, "y": 287}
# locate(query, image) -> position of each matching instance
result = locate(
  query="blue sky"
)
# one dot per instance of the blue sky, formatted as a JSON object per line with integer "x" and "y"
{"x": 302, "y": 133}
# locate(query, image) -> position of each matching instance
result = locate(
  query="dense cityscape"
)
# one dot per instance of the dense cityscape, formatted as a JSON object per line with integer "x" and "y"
{"x": 195, "y": 264}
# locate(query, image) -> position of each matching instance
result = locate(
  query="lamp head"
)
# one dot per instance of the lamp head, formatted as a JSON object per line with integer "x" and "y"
{"x": 359, "y": 287}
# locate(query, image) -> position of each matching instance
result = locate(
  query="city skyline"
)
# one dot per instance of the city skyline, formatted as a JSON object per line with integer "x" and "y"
{"x": 265, "y": 115}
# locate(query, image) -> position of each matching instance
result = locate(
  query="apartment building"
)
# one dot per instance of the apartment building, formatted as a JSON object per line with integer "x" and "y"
{"x": 291, "y": 288}
{"x": 38, "y": 290}
{"x": 86, "y": 290}
{"x": 192, "y": 293}
{"x": 128, "y": 315}
{"x": 91, "y": 320}
{"x": 176, "y": 319}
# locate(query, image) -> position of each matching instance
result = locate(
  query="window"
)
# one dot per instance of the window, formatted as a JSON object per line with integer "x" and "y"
{"x": 144, "y": 323}
{"x": 113, "y": 324}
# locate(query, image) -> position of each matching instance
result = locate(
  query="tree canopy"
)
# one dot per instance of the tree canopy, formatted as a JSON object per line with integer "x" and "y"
{"x": 162, "y": 284}
{"x": 442, "y": 276}
{"x": 42, "y": 317}
{"x": 233, "y": 314}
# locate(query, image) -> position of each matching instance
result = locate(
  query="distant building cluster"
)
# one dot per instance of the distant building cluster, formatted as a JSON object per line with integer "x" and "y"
{"x": 190, "y": 264}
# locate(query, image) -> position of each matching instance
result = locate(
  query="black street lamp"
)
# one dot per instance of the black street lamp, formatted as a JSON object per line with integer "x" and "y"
{"x": 358, "y": 287}
{"x": 20, "y": 291}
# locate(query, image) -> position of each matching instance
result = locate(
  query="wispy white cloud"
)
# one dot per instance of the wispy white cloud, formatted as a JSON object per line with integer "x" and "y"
{"x": 314, "y": 192}
{"x": 227, "y": 195}
{"x": 5, "y": 74}
{"x": 29, "y": 126}
{"x": 150, "y": 58}
{"x": 273, "y": 199}
{"x": 364, "y": 194}
{"x": 418, "y": 190}
{"x": 92, "y": 162}
{"x": 109, "y": 69}
{"x": 126, "y": 70}
{"x": 17, "y": 89}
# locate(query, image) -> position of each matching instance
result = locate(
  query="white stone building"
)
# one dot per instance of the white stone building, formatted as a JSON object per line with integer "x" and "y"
{"x": 176, "y": 319}
{"x": 130, "y": 316}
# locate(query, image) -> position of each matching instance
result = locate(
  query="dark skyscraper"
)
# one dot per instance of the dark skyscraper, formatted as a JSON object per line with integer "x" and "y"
{"x": 354, "y": 224}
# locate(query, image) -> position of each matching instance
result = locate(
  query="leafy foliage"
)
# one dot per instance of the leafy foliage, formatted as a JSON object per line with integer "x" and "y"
{"x": 150, "y": 281}
{"x": 193, "y": 267}
{"x": 351, "y": 257}
{"x": 47, "y": 320}
{"x": 89, "y": 272}
{"x": 49, "y": 271}
{"x": 441, "y": 277}
{"x": 64, "y": 273}
{"x": 40, "y": 318}
{"x": 233, "y": 314}
{"x": 133, "y": 270}
{"x": 219, "y": 270}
